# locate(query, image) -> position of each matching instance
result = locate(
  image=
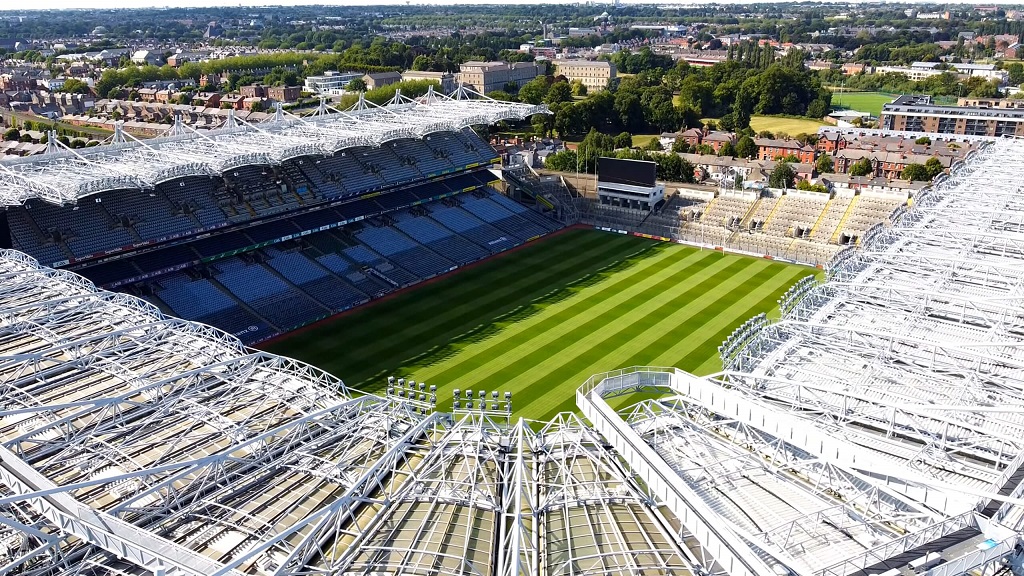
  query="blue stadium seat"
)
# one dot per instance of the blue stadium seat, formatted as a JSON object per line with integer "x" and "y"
{"x": 351, "y": 273}
{"x": 501, "y": 218}
{"x": 27, "y": 237}
{"x": 165, "y": 258}
{"x": 366, "y": 257}
{"x": 483, "y": 234}
{"x": 193, "y": 299}
{"x": 149, "y": 213}
{"x": 103, "y": 274}
{"x": 272, "y": 298}
{"x": 547, "y": 224}
{"x": 441, "y": 240}
{"x": 316, "y": 281}
{"x": 427, "y": 160}
{"x": 404, "y": 252}
{"x": 196, "y": 194}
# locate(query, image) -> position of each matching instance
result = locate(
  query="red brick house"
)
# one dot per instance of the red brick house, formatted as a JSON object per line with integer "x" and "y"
{"x": 718, "y": 139}
{"x": 831, "y": 142}
{"x": 772, "y": 148}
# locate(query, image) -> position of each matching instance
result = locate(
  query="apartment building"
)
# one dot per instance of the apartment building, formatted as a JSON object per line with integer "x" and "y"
{"x": 444, "y": 79}
{"x": 487, "y": 77}
{"x": 917, "y": 114}
{"x": 594, "y": 74}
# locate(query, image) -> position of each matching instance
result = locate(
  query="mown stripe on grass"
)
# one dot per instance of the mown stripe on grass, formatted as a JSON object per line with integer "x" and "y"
{"x": 703, "y": 357}
{"x": 445, "y": 317}
{"x": 619, "y": 339}
{"x": 694, "y": 348}
{"x": 381, "y": 317}
{"x": 529, "y": 342}
{"x": 337, "y": 347}
{"x": 713, "y": 362}
{"x": 541, "y": 320}
{"x": 690, "y": 323}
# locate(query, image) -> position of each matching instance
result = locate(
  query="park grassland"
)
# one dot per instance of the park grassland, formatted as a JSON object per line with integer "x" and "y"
{"x": 540, "y": 320}
{"x": 785, "y": 125}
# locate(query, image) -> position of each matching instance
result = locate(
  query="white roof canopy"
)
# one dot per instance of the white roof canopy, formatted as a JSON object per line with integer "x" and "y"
{"x": 65, "y": 176}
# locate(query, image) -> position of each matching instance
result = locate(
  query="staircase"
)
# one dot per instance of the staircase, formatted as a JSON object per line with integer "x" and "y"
{"x": 774, "y": 209}
{"x": 821, "y": 216}
{"x": 745, "y": 221}
{"x": 707, "y": 208}
{"x": 839, "y": 228}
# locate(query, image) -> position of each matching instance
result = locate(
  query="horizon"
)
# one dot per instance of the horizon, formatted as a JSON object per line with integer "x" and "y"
{"x": 41, "y": 5}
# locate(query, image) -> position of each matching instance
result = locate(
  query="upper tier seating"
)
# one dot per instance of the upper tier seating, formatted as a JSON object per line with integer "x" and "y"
{"x": 196, "y": 196}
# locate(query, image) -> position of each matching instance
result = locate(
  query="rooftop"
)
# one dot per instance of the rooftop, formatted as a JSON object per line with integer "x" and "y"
{"x": 67, "y": 175}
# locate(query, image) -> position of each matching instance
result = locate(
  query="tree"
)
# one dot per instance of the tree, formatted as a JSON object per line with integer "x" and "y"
{"x": 681, "y": 146}
{"x": 623, "y": 140}
{"x": 559, "y": 92}
{"x": 421, "y": 63}
{"x": 75, "y": 86}
{"x": 705, "y": 150}
{"x": 534, "y": 91}
{"x": 356, "y": 85}
{"x": 782, "y": 176}
{"x": 817, "y": 109}
{"x": 654, "y": 145}
{"x": 1016, "y": 71}
{"x": 862, "y": 167}
{"x": 579, "y": 89}
{"x": 934, "y": 167}
{"x": 542, "y": 123}
{"x": 502, "y": 96}
{"x": 824, "y": 164}
{"x": 686, "y": 170}
{"x": 923, "y": 140}
{"x": 12, "y": 134}
{"x": 745, "y": 147}
{"x": 805, "y": 185}
{"x": 727, "y": 149}
{"x": 669, "y": 167}
{"x": 564, "y": 161}
{"x": 915, "y": 172}
{"x": 569, "y": 119}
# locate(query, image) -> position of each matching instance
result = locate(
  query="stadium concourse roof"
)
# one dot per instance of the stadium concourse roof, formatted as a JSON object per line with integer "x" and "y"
{"x": 66, "y": 175}
{"x": 880, "y": 420}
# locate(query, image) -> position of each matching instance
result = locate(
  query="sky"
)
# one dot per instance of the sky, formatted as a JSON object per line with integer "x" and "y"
{"x": 82, "y": 4}
{"x": 85, "y": 4}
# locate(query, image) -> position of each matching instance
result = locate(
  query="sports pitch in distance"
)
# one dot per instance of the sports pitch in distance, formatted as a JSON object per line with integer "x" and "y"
{"x": 541, "y": 320}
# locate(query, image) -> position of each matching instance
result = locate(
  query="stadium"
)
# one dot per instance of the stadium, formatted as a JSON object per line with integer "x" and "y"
{"x": 875, "y": 425}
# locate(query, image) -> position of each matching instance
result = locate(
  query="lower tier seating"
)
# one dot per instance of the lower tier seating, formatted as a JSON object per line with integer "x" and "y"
{"x": 266, "y": 290}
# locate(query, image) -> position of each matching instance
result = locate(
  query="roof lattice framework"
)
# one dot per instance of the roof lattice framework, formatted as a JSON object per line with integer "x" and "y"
{"x": 68, "y": 175}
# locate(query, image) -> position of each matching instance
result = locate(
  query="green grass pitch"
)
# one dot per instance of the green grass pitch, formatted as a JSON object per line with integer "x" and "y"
{"x": 541, "y": 320}
{"x": 870, "y": 102}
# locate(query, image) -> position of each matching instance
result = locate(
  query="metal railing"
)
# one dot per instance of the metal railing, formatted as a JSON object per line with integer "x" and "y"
{"x": 900, "y": 545}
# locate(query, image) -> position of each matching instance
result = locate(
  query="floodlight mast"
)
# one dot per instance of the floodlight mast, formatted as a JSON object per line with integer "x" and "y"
{"x": 409, "y": 393}
{"x": 494, "y": 406}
